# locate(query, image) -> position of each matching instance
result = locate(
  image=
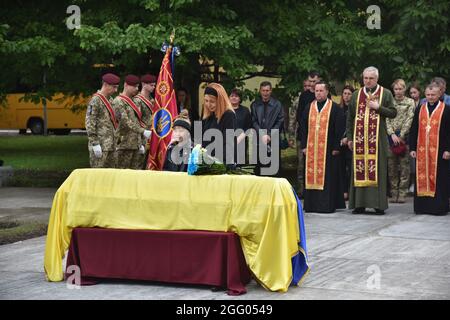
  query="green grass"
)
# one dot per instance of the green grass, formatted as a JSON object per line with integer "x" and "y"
{"x": 289, "y": 165}
{"x": 38, "y": 178}
{"x": 289, "y": 159}
{"x": 65, "y": 153}
{"x": 51, "y": 153}
{"x": 13, "y": 231}
{"x": 40, "y": 161}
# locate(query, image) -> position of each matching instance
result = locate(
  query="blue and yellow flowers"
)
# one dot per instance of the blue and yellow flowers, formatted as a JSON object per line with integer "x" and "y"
{"x": 201, "y": 163}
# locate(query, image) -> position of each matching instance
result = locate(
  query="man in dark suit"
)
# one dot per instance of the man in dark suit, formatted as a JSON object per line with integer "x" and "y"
{"x": 267, "y": 120}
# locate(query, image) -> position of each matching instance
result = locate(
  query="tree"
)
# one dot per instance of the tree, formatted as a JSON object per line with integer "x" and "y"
{"x": 227, "y": 41}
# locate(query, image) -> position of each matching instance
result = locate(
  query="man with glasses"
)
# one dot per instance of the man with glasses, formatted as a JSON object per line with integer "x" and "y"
{"x": 367, "y": 138}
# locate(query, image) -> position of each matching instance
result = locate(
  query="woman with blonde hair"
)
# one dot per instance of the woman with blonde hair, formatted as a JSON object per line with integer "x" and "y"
{"x": 218, "y": 114}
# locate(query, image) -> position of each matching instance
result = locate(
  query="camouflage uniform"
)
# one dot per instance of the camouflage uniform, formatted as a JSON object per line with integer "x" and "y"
{"x": 128, "y": 136}
{"x": 100, "y": 131}
{"x": 292, "y": 131}
{"x": 147, "y": 119}
{"x": 400, "y": 125}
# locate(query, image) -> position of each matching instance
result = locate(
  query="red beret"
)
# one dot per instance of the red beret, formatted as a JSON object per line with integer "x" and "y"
{"x": 132, "y": 80}
{"x": 148, "y": 78}
{"x": 111, "y": 78}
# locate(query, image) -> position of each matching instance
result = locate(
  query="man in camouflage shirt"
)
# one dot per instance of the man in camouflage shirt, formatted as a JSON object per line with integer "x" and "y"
{"x": 131, "y": 129}
{"x": 101, "y": 124}
{"x": 292, "y": 128}
{"x": 146, "y": 103}
{"x": 398, "y": 131}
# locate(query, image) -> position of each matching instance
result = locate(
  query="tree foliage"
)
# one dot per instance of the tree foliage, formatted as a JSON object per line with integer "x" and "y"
{"x": 227, "y": 41}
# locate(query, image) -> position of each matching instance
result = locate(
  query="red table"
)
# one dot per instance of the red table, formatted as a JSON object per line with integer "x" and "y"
{"x": 190, "y": 257}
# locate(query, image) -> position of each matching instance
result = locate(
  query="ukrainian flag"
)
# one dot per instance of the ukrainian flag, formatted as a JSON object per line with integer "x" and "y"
{"x": 300, "y": 267}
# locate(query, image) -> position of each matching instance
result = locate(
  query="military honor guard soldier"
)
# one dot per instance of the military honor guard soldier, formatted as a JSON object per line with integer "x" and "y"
{"x": 147, "y": 105}
{"x": 101, "y": 124}
{"x": 131, "y": 131}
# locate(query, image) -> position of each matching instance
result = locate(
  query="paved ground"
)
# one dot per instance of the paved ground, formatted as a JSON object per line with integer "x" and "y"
{"x": 396, "y": 256}
{"x": 24, "y": 204}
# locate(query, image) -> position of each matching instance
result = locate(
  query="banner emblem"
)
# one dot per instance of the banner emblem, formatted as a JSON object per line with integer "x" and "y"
{"x": 162, "y": 123}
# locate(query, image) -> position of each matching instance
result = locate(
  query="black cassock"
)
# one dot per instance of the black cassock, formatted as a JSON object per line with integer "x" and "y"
{"x": 332, "y": 196}
{"x": 439, "y": 204}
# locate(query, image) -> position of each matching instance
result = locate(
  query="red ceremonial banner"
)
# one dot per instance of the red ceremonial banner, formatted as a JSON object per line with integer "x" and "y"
{"x": 165, "y": 112}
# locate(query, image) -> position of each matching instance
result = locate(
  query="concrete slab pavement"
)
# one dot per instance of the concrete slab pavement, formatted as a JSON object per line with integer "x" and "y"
{"x": 26, "y": 203}
{"x": 397, "y": 256}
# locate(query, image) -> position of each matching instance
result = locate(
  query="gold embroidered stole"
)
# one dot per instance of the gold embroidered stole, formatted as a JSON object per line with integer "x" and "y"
{"x": 427, "y": 149}
{"x": 316, "y": 148}
{"x": 365, "y": 139}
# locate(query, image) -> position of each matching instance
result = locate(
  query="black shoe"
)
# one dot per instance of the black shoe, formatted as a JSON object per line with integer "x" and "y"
{"x": 379, "y": 212}
{"x": 359, "y": 210}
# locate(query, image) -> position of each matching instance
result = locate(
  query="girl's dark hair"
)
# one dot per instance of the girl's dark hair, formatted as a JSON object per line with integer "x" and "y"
{"x": 346, "y": 87}
{"x": 416, "y": 86}
{"x": 236, "y": 92}
{"x": 349, "y": 87}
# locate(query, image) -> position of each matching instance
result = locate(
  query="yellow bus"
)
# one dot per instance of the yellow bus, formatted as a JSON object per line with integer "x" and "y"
{"x": 63, "y": 114}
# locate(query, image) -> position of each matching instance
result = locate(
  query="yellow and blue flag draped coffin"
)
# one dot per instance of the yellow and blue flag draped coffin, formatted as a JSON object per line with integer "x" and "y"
{"x": 264, "y": 212}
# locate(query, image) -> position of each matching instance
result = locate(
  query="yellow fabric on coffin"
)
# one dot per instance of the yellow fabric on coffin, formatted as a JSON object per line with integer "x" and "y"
{"x": 262, "y": 211}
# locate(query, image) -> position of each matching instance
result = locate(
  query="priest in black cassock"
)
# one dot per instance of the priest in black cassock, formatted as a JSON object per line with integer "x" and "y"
{"x": 430, "y": 146}
{"x": 321, "y": 131}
